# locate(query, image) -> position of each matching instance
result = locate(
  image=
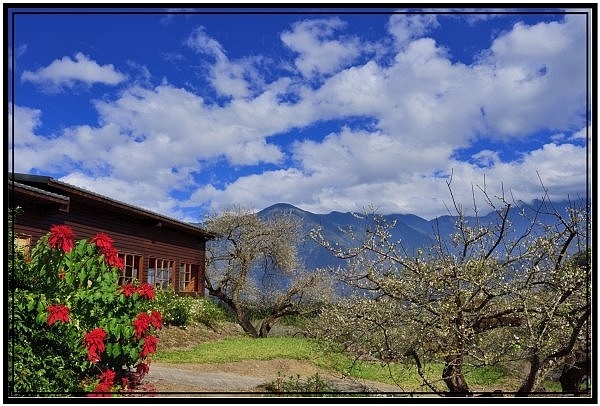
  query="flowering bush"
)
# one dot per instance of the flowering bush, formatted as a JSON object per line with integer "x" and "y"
{"x": 182, "y": 310}
{"x": 72, "y": 328}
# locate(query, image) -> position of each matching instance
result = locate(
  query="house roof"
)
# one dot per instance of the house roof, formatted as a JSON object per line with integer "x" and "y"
{"x": 40, "y": 195}
{"x": 37, "y": 186}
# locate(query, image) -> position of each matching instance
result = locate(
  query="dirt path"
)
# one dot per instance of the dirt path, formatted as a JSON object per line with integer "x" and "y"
{"x": 243, "y": 378}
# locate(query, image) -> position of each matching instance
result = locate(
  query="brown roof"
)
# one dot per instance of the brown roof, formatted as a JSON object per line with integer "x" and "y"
{"x": 37, "y": 185}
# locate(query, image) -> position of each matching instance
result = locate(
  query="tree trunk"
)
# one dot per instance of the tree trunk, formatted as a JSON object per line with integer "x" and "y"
{"x": 573, "y": 373}
{"x": 532, "y": 378}
{"x": 285, "y": 310}
{"x": 453, "y": 376}
{"x": 243, "y": 320}
{"x": 266, "y": 326}
{"x": 241, "y": 314}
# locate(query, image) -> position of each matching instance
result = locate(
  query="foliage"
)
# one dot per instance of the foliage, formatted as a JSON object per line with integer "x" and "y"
{"x": 72, "y": 328}
{"x": 181, "y": 310}
{"x": 207, "y": 312}
{"x": 176, "y": 310}
{"x": 252, "y": 268}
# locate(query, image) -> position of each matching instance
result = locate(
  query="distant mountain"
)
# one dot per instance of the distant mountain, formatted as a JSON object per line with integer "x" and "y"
{"x": 413, "y": 231}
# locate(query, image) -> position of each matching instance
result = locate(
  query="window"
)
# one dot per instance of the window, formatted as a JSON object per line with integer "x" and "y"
{"x": 23, "y": 245}
{"x": 186, "y": 282}
{"x": 160, "y": 272}
{"x": 133, "y": 264}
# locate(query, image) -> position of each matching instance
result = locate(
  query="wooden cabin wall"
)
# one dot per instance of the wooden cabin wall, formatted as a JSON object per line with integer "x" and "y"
{"x": 131, "y": 235}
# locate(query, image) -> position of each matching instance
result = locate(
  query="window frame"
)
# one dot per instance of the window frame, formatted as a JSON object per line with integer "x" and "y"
{"x": 154, "y": 271}
{"x": 137, "y": 266}
{"x": 186, "y": 284}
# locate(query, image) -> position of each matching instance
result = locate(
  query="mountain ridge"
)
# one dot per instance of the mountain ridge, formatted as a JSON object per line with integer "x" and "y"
{"x": 412, "y": 230}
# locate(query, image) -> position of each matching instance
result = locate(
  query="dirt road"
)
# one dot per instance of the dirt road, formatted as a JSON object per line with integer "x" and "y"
{"x": 243, "y": 378}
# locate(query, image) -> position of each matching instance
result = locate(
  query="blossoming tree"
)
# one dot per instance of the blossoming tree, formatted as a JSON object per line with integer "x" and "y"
{"x": 72, "y": 328}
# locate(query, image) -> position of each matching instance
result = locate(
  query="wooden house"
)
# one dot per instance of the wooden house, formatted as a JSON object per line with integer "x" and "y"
{"x": 156, "y": 249}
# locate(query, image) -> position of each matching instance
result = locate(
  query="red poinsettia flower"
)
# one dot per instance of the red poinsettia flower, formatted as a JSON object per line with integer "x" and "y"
{"x": 61, "y": 238}
{"x": 146, "y": 290}
{"x": 156, "y": 319}
{"x": 102, "y": 241}
{"x": 56, "y": 313}
{"x": 108, "y": 376}
{"x": 141, "y": 324}
{"x": 111, "y": 256}
{"x": 101, "y": 390}
{"x": 128, "y": 289}
{"x": 149, "y": 346}
{"x": 94, "y": 341}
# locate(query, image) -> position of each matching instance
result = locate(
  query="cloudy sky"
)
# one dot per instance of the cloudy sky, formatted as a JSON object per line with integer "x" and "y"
{"x": 185, "y": 112}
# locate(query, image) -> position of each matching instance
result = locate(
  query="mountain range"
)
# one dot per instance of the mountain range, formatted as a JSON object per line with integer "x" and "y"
{"x": 413, "y": 231}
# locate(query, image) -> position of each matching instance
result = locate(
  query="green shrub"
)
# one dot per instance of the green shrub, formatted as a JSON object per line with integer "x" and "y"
{"x": 182, "y": 310}
{"x": 207, "y": 312}
{"x": 176, "y": 310}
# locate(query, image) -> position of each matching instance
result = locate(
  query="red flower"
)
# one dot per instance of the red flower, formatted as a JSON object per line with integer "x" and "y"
{"x": 141, "y": 324}
{"x": 62, "y": 274}
{"x": 128, "y": 289}
{"x": 156, "y": 319}
{"x": 57, "y": 313}
{"x": 94, "y": 341}
{"x": 108, "y": 376}
{"x": 143, "y": 368}
{"x": 102, "y": 241}
{"x": 101, "y": 390}
{"x": 61, "y": 237}
{"x": 149, "y": 346}
{"x": 146, "y": 290}
{"x": 111, "y": 256}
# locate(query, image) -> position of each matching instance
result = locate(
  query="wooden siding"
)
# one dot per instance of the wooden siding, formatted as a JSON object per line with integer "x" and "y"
{"x": 131, "y": 234}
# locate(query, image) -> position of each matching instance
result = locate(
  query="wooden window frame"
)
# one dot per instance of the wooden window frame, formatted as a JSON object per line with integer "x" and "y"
{"x": 157, "y": 267}
{"x": 186, "y": 282}
{"x": 135, "y": 264}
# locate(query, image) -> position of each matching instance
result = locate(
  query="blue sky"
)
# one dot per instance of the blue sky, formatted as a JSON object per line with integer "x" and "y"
{"x": 185, "y": 112}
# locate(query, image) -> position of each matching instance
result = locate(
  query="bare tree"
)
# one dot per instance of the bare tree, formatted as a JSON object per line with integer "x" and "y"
{"x": 467, "y": 300}
{"x": 252, "y": 266}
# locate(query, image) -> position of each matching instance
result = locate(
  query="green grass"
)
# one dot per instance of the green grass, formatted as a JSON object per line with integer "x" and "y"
{"x": 236, "y": 349}
{"x": 242, "y": 349}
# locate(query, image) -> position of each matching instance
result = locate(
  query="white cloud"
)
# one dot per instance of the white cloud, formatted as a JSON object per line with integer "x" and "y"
{"x": 406, "y": 27}
{"x": 420, "y": 106}
{"x": 18, "y": 52}
{"x": 425, "y": 193}
{"x": 66, "y": 72}
{"x": 201, "y": 42}
{"x": 149, "y": 196}
{"x": 319, "y": 54}
{"x": 237, "y": 79}
{"x": 583, "y": 134}
{"x": 533, "y": 77}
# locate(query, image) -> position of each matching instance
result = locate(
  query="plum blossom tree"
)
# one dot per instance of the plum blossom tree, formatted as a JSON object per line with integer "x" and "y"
{"x": 490, "y": 294}
{"x": 252, "y": 267}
